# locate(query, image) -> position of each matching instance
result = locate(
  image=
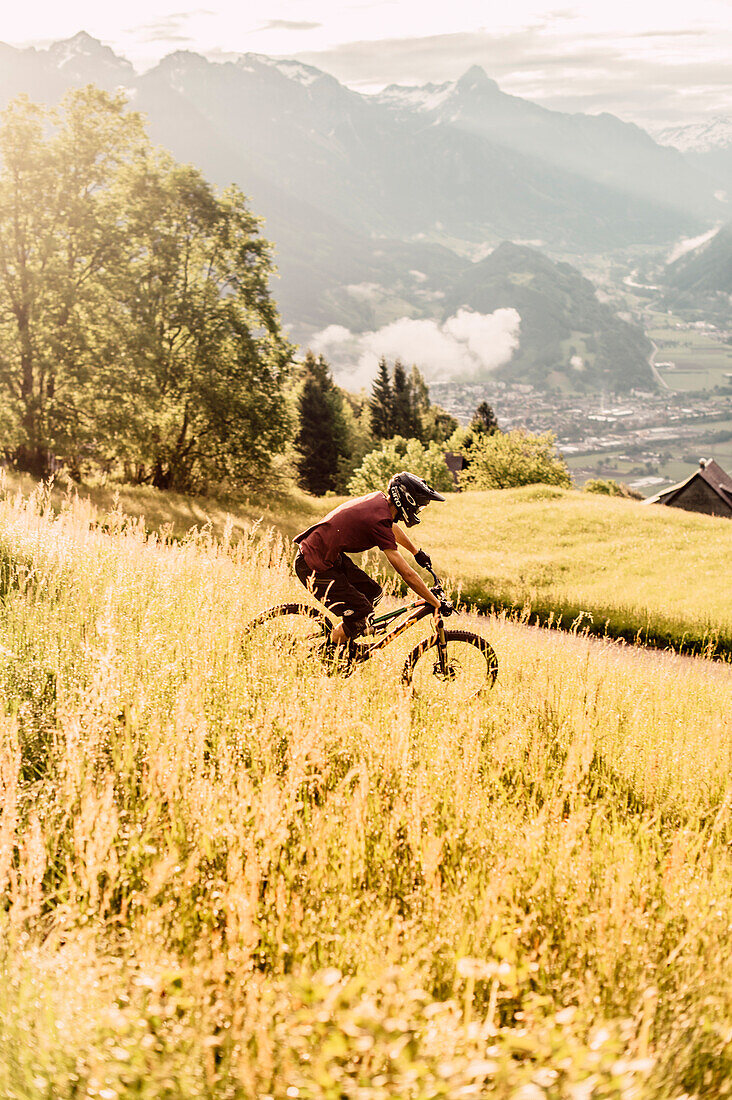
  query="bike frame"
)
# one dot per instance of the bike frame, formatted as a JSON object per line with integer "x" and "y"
{"x": 418, "y": 611}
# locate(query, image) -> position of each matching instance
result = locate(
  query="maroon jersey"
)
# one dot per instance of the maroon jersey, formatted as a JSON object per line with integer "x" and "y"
{"x": 350, "y": 528}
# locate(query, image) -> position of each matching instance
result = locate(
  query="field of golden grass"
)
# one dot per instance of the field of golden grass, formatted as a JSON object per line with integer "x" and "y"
{"x": 618, "y": 566}
{"x": 609, "y": 565}
{"x": 225, "y": 879}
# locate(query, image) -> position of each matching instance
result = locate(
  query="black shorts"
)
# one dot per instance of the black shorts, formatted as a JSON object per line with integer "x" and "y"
{"x": 344, "y": 589}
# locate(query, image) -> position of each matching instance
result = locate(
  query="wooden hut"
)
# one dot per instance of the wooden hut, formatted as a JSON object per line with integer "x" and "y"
{"x": 708, "y": 490}
{"x": 455, "y": 463}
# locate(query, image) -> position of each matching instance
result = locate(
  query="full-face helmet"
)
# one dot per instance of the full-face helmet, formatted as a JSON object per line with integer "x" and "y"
{"x": 409, "y": 494}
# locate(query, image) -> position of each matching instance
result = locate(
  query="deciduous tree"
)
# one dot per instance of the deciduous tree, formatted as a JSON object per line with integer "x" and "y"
{"x": 507, "y": 460}
{"x": 399, "y": 454}
{"x": 59, "y": 232}
{"x": 136, "y": 324}
{"x": 198, "y": 334}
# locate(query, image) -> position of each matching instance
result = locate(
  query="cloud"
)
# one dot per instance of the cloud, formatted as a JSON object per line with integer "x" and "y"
{"x": 170, "y": 28}
{"x": 645, "y": 77}
{"x": 698, "y": 32}
{"x": 289, "y": 25}
{"x": 466, "y": 345}
{"x": 688, "y": 244}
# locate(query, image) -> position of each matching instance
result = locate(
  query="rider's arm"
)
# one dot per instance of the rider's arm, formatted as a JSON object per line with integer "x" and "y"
{"x": 408, "y": 574}
{"x": 403, "y": 540}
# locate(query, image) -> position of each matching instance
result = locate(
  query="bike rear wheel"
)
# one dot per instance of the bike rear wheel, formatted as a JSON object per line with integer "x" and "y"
{"x": 288, "y": 634}
{"x": 470, "y": 667}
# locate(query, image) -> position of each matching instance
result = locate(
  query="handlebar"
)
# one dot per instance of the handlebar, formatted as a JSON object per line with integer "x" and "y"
{"x": 438, "y": 591}
{"x": 446, "y": 607}
{"x": 434, "y": 576}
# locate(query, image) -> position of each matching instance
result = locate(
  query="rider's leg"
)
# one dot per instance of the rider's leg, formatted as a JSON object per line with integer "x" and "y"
{"x": 365, "y": 584}
{"x": 346, "y": 591}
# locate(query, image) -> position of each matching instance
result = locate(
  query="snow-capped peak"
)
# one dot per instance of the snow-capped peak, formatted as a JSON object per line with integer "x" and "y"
{"x": 423, "y": 97}
{"x": 429, "y": 97}
{"x": 293, "y": 70}
{"x": 476, "y": 79}
{"x": 82, "y": 48}
{"x": 698, "y": 137}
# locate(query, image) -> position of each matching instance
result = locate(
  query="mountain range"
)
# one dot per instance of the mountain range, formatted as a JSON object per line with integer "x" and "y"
{"x": 405, "y": 193}
{"x": 705, "y": 145}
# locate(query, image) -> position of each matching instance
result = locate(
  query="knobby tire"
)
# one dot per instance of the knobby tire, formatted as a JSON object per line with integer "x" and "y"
{"x": 421, "y": 653}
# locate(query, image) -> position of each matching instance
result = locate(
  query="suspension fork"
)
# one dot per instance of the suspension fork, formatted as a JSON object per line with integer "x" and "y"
{"x": 441, "y": 644}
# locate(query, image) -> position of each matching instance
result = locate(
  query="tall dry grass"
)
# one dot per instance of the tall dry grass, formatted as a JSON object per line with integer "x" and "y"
{"x": 221, "y": 878}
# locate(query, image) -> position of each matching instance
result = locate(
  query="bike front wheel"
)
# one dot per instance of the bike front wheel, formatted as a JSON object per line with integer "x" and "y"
{"x": 467, "y": 667}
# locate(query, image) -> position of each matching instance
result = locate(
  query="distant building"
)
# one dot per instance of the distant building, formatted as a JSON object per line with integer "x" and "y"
{"x": 708, "y": 490}
{"x": 455, "y": 463}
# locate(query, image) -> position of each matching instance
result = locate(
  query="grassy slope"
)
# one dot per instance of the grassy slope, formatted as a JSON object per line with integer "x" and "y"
{"x": 634, "y": 568}
{"x": 631, "y": 571}
{"x": 222, "y": 878}
{"x": 287, "y": 510}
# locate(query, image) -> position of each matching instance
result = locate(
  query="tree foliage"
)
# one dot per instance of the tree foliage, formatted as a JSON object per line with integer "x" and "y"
{"x": 437, "y": 425}
{"x": 508, "y": 460}
{"x": 485, "y": 421}
{"x": 405, "y": 415}
{"x": 400, "y": 405}
{"x": 136, "y": 326}
{"x": 59, "y": 233}
{"x": 610, "y": 488}
{"x": 320, "y": 441}
{"x": 357, "y": 438}
{"x": 395, "y": 455}
{"x": 382, "y": 403}
{"x": 198, "y": 333}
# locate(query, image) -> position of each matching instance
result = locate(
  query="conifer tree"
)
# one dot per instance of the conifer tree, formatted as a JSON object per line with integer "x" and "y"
{"x": 484, "y": 420}
{"x": 420, "y": 396}
{"x": 382, "y": 403}
{"x": 319, "y": 437}
{"x": 406, "y": 422}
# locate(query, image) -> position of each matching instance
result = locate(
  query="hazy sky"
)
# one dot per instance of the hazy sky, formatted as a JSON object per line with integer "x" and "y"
{"x": 651, "y": 60}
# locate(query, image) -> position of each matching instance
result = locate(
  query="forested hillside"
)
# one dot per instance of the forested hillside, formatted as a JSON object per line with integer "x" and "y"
{"x": 567, "y": 335}
{"x": 702, "y": 279}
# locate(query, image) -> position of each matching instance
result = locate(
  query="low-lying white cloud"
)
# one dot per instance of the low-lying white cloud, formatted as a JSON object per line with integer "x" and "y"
{"x": 465, "y": 346}
{"x": 689, "y": 244}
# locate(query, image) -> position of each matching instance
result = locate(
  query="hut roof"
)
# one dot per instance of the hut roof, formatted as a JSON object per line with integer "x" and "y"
{"x": 710, "y": 472}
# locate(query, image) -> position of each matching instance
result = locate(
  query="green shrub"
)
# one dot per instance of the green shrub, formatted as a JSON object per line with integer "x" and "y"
{"x": 610, "y": 488}
{"x": 508, "y": 460}
{"x": 399, "y": 454}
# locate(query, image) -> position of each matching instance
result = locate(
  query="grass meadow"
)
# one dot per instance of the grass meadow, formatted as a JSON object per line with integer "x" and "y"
{"x": 614, "y": 566}
{"x": 610, "y": 566}
{"x": 222, "y": 878}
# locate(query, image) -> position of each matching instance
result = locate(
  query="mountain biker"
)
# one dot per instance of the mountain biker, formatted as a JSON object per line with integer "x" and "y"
{"x": 323, "y": 567}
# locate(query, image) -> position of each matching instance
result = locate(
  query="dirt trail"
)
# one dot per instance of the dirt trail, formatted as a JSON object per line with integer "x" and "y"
{"x": 654, "y": 659}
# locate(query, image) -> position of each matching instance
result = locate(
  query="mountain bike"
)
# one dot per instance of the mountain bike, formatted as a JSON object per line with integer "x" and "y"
{"x": 456, "y": 660}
